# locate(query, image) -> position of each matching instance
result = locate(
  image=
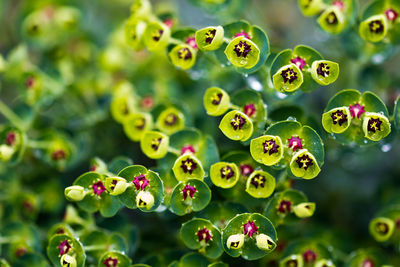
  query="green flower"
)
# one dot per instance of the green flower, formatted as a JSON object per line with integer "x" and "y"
{"x": 141, "y": 9}
{"x": 265, "y": 242}
{"x": 311, "y": 7}
{"x": 171, "y": 120}
{"x": 374, "y": 29}
{"x": 292, "y": 260}
{"x": 236, "y": 126}
{"x": 216, "y": 101}
{"x": 324, "y": 263}
{"x": 183, "y": 56}
{"x": 304, "y": 210}
{"x": 68, "y": 261}
{"x": 336, "y": 120}
{"x": 235, "y": 241}
{"x": 224, "y": 174}
{"x": 267, "y": 149}
{"x": 134, "y": 31}
{"x": 188, "y": 166}
{"x": 381, "y": 228}
{"x": 154, "y": 144}
{"x": 375, "y": 126}
{"x": 156, "y": 36}
{"x": 144, "y": 199}
{"x": 260, "y": 184}
{"x": 242, "y": 52}
{"x": 332, "y": 20}
{"x": 74, "y": 193}
{"x": 116, "y": 185}
{"x": 288, "y": 78}
{"x": 324, "y": 72}
{"x": 210, "y": 38}
{"x": 6, "y": 152}
{"x": 136, "y": 124}
{"x": 304, "y": 165}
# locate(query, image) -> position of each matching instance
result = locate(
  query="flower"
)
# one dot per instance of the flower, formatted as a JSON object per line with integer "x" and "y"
{"x": 249, "y": 109}
{"x": 204, "y": 234}
{"x": 238, "y": 122}
{"x": 270, "y": 147}
{"x": 258, "y": 180}
{"x": 227, "y": 172}
{"x": 288, "y": 75}
{"x": 140, "y": 182}
{"x": 155, "y": 143}
{"x": 210, "y": 36}
{"x": 11, "y": 138}
{"x": 391, "y": 14}
{"x": 295, "y": 142}
{"x": 64, "y": 247}
{"x": 309, "y": 256}
{"x": 374, "y": 125}
{"x": 284, "y": 206}
{"x": 98, "y": 188}
{"x": 356, "y": 110}
{"x": 242, "y": 49}
{"x": 376, "y": 26}
{"x": 235, "y": 241}
{"x": 145, "y": 200}
{"x": 323, "y": 69}
{"x": 192, "y": 42}
{"x": 250, "y": 228}
{"x": 58, "y": 154}
{"x": 244, "y": 34}
{"x": 188, "y": 165}
{"x": 188, "y": 190}
{"x": 304, "y": 161}
{"x": 338, "y": 117}
{"x": 187, "y": 149}
{"x": 246, "y": 169}
{"x": 300, "y": 62}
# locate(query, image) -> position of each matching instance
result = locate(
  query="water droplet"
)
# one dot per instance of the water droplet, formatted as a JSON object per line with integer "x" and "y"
{"x": 281, "y": 95}
{"x": 386, "y": 147}
{"x": 365, "y": 141}
{"x": 254, "y": 83}
{"x": 381, "y": 113}
{"x": 246, "y": 75}
{"x": 290, "y": 118}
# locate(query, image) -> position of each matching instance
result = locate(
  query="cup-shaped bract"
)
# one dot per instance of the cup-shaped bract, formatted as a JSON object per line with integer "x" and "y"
{"x": 304, "y": 165}
{"x": 260, "y": 184}
{"x": 265, "y": 242}
{"x": 141, "y": 8}
{"x": 116, "y": 185}
{"x": 171, "y": 120}
{"x": 235, "y": 241}
{"x": 336, "y": 120}
{"x": 332, "y": 20}
{"x": 156, "y": 36}
{"x": 236, "y": 126}
{"x": 74, "y": 193}
{"x": 375, "y": 126}
{"x": 304, "y": 210}
{"x": 114, "y": 259}
{"x": 62, "y": 244}
{"x": 154, "y": 144}
{"x": 224, "y": 174}
{"x": 292, "y": 260}
{"x": 134, "y": 29}
{"x": 216, "y": 101}
{"x": 183, "y": 56}
{"x": 381, "y": 228}
{"x": 136, "y": 124}
{"x": 145, "y": 200}
{"x": 209, "y": 38}
{"x": 68, "y": 261}
{"x": 374, "y": 29}
{"x": 324, "y": 72}
{"x": 288, "y": 78}
{"x": 267, "y": 149}
{"x": 324, "y": 263}
{"x": 188, "y": 166}
{"x": 242, "y": 52}
{"x": 311, "y": 7}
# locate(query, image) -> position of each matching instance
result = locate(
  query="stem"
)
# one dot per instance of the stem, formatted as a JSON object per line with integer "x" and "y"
{"x": 95, "y": 247}
{"x": 232, "y": 106}
{"x": 11, "y": 116}
{"x": 174, "y": 151}
{"x": 38, "y": 144}
{"x": 175, "y": 41}
{"x": 6, "y": 240}
{"x": 227, "y": 40}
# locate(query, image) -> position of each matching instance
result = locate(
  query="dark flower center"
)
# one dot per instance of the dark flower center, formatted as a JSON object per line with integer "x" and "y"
{"x": 391, "y": 14}
{"x": 140, "y": 123}
{"x": 210, "y": 36}
{"x": 295, "y": 143}
{"x": 238, "y": 122}
{"x": 246, "y": 169}
{"x": 155, "y": 143}
{"x": 64, "y": 247}
{"x": 204, "y": 234}
{"x": 285, "y": 206}
{"x": 270, "y": 146}
{"x": 356, "y": 110}
{"x": 157, "y": 35}
{"x": 304, "y": 162}
{"x": 140, "y": 182}
{"x": 93, "y": 168}
{"x": 376, "y": 26}
{"x": 382, "y": 228}
{"x": 187, "y": 149}
{"x": 113, "y": 184}
{"x": 11, "y": 138}
{"x": 98, "y": 188}
{"x": 188, "y": 166}
{"x": 249, "y": 109}
{"x": 184, "y": 53}
{"x": 309, "y": 256}
{"x": 20, "y": 252}
{"x": 299, "y": 62}
{"x": 374, "y": 125}
{"x": 147, "y": 102}
{"x": 289, "y": 75}
{"x": 338, "y": 117}
{"x": 250, "y": 228}
{"x": 258, "y": 180}
{"x": 171, "y": 119}
{"x": 58, "y": 154}
{"x": 110, "y": 262}
{"x": 323, "y": 69}
{"x": 242, "y": 49}
{"x": 216, "y": 99}
{"x": 30, "y": 82}
{"x": 188, "y": 191}
{"x": 226, "y": 172}
{"x": 331, "y": 18}
{"x": 292, "y": 263}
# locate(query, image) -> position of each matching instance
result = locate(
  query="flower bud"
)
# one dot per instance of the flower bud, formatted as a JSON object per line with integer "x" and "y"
{"x": 74, "y": 193}
{"x": 6, "y": 152}
{"x": 265, "y": 242}
{"x": 381, "y": 228}
{"x": 116, "y": 185}
{"x": 235, "y": 241}
{"x": 68, "y": 261}
{"x": 304, "y": 210}
{"x": 145, "y": 199}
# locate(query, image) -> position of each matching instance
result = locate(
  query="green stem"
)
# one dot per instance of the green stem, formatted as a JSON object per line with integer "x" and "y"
{"x": 7, "y": 240}
{"x": 232, "y": 106}
{"x": 95, "y": 247}
{"x": 11, "y": 116}
{"x": 38, "y": 144}
{"x": 174, "y": 151}
{"x": 175, "y": 41}
{"x": 227, "y": 40}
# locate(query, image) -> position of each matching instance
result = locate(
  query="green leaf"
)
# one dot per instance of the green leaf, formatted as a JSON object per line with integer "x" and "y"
{"x": 249, "y": 250}
{"x": 185, "y": 200}
{"x": 202, "y": 235}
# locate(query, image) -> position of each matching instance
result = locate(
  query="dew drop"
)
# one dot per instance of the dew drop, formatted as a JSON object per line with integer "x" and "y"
{"x": 365, "y": 141}
{"x": 381, "y": 113}
{"x": 254, "y": 83}
{"x": 386, "y": 147}
{"x": 290, "y": 118}
{"x": 281, "y": 95}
